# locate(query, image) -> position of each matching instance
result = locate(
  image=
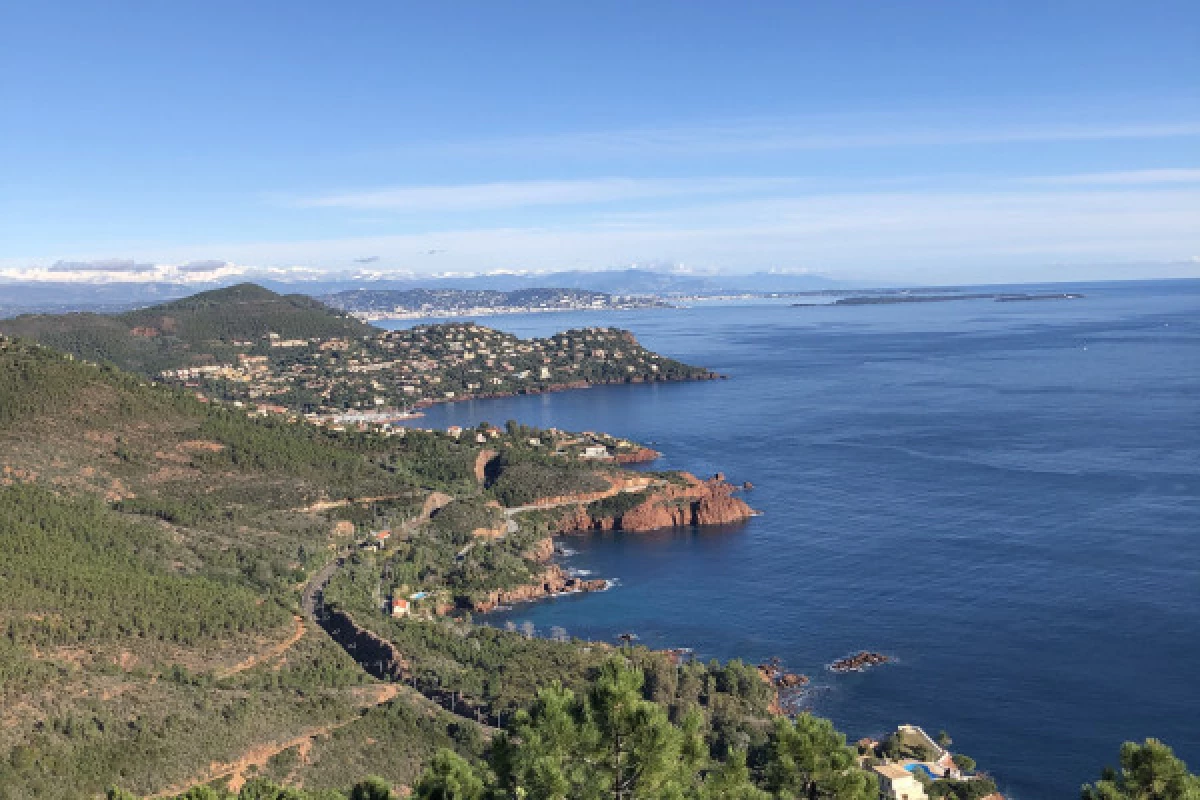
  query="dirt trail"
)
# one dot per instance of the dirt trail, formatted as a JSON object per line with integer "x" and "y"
{"x": 270, "y": 654}
{"x": 326, "y": 505}
{"x": 303, "y": 752}
{"x": 258, "y": 756}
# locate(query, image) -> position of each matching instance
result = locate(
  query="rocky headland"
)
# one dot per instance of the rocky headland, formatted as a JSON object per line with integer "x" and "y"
{"x": 671, "y": 505}
{"x": 787, "y": 686}
{"x": 641, "y": 455}
{"x": 553, "y": 581}
{"x": 645, "y": 504}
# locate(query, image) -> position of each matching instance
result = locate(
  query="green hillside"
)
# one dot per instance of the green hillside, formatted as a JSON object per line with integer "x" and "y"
{"x": 154, "y": 553}
{"x": 196, "y": 330}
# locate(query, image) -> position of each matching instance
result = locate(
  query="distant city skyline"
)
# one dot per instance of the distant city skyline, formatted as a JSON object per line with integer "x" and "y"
{"x": 914, "y": 143}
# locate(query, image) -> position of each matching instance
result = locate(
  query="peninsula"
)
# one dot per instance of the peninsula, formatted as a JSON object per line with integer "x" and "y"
{"x": 292, "y": 354}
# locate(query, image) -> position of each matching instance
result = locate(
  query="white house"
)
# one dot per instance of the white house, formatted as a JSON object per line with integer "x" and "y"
{"x": 897, "y": 783}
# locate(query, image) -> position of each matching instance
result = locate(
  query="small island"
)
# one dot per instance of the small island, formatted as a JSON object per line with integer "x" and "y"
{"x": 907, "y": 296}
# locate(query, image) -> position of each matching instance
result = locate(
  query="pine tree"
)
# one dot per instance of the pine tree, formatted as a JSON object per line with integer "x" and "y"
{"x": 1149, "y": 771}
{"x": 810, "y": 759}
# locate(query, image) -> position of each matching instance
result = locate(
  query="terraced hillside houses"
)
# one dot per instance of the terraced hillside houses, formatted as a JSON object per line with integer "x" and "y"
{"x": 394, "y": 371}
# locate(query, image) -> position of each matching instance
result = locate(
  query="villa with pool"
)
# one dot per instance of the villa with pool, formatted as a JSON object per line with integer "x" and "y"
{"x": 909, "y": 762}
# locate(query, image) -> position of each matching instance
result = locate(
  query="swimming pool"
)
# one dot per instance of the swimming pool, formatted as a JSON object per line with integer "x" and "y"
{"x": 922, "y": 768}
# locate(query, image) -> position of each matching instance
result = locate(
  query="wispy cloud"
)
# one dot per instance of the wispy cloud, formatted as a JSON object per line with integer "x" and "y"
{"x": 866, "y": 234}
{"x": 860, "y": 132}
{"x": 1139, "y": 177}
{"x": 125, "y": 266}
{"x": 126, "y": 270}
{"x": 526, "y": 194}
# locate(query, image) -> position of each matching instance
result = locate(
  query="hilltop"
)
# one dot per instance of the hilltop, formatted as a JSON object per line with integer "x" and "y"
{"x": 203, "y": 328}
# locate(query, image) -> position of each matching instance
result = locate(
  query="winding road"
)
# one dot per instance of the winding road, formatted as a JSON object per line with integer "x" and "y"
{"x": 363, "y": 646}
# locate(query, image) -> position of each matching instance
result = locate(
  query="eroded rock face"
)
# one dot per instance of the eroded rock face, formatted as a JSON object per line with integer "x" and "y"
{"x": 542, "y": 550}
{"x": 696, "y": 502}
{"x": 721, "y": 509}
{"x": 377, "y": 655}
{"x": 553, "y": 581}
{"x": 652, "y": 514}
{"x": 639, "y": 456}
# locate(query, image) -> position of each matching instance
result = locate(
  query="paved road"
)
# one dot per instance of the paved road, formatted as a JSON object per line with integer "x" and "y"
{"x": 310, "y": 600}
{"x": 510, "y": 512}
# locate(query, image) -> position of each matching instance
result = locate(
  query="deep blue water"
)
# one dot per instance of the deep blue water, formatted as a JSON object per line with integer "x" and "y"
{"x": 1003, "y": 496}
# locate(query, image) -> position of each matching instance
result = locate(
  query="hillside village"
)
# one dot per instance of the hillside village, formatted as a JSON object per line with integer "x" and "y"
{"x": 393, "y": 372}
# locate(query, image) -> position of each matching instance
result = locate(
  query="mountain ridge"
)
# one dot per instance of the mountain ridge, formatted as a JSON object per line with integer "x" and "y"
{"x": 199, "y": 328}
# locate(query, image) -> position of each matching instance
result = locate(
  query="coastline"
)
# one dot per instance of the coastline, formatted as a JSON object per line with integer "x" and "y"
{"x": 429, "y": 402}
{"x": 471, "y": 313}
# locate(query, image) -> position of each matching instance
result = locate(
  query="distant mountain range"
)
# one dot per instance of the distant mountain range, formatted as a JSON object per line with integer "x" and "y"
{"x": 16, "y": 298}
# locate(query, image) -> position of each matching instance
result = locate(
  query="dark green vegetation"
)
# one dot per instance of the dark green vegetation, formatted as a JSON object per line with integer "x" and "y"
{"x": 804, "y": 753}
{"x": 75, "y": 572}
{"x": 1149, "y": 771}
{"x": 199, "y": 329}
{"x": 521, "y": 479}
{"x": 610, "y": 739}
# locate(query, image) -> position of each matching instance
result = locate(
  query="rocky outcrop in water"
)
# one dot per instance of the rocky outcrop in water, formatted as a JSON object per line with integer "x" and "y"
{"x": 791, "y": 680}
{"x": 858, "y": 662}
{"x": 553, "y": 581}
{"x": 786, "y": 685}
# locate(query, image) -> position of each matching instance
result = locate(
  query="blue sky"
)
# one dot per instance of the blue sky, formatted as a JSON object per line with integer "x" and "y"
{"x": 916, "y": 141}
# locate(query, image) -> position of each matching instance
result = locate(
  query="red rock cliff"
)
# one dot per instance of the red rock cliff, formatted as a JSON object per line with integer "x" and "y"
{"x": 696, "y": 502}
{"x": 638, "y": 456}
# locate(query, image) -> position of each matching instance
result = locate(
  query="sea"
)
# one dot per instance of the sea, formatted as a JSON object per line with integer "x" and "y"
{"x": 1003, "y": 497}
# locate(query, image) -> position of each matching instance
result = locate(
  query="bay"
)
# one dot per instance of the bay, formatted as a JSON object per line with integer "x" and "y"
{"x": 1005, "y": 497}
